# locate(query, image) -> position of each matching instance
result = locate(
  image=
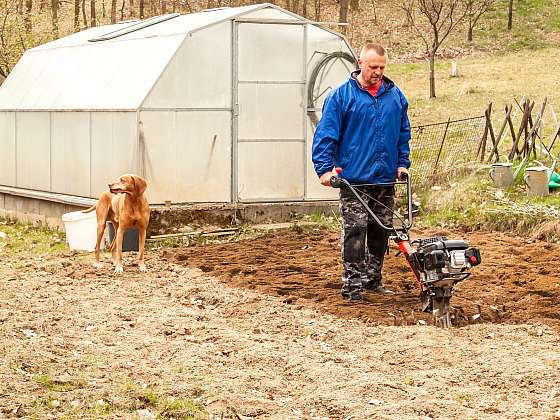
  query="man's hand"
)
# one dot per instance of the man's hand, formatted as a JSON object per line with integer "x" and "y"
{"x": 401, "y": 171}
{"x": 325, "y": 179}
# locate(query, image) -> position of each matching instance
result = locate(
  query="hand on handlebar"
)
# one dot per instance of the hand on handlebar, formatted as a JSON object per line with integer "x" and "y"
{"x": 325, "y": 179}
{"x": 402, "y": 173}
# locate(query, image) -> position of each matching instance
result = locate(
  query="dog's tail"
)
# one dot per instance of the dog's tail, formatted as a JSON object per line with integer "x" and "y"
{"x": 92, "y": 208}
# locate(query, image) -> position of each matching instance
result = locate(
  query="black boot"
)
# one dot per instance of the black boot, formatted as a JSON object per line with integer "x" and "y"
{"x": 350, "y": 292}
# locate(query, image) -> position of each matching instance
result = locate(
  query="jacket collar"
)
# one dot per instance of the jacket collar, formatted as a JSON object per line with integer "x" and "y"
{"x": 387, "y": 83}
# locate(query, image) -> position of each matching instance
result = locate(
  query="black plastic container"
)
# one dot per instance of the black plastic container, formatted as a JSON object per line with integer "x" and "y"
{"x": 130, "y": 239}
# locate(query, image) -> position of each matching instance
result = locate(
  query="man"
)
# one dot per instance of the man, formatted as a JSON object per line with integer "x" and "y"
{"x": 364, "y": 130}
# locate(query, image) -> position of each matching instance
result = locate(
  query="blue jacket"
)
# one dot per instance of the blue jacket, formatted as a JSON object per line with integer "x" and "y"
{"x": 364, "y": 135}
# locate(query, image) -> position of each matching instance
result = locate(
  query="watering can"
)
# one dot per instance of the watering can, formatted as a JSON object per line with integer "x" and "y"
{"x": 502, "y": 174}
{"x": 536, "y": 178}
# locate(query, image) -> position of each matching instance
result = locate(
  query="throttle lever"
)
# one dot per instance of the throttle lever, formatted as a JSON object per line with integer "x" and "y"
{"x": 336, "y": 181}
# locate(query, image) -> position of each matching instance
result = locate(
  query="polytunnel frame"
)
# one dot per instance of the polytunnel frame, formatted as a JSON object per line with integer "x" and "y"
{"x": 235, "y": 106}
{"x": 69, "y": 199}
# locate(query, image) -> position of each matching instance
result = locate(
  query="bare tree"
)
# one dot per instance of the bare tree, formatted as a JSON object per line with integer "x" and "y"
{"x": 76, "y": 15}
{"x": 27, "y": 16}
{"x": 343, "y": 14}
{"x": 510, "y": 15}
{"x": 475, "y": 9}
{"x": 113, "y": 11}
{"x": 317, "y": 10}
{"x": 54, "y": 18}
{"x": 141, "y": 9}
{"x": 433, "y": 21}
{"x": 10, "y": 49}
{"x": 84, "y": 15}
{"x": 92, "y": 13}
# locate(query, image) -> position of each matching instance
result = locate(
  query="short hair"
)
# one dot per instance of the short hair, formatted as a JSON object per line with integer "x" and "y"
{"x": 378, "y": 48}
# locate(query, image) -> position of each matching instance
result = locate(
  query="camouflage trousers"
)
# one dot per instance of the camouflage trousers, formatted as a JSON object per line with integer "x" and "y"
{"x": 364, "y": 242}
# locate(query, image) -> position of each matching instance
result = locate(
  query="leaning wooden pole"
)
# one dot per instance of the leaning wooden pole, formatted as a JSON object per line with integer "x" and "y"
{"x": 507, "y": 120}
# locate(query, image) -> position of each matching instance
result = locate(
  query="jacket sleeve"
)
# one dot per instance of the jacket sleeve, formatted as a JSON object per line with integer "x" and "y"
{"x": 404, "y": 136}
{"x": 327, "y": 135}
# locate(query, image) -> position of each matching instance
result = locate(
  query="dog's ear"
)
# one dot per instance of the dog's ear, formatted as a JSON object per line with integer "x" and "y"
{"x": 140, "y": 184}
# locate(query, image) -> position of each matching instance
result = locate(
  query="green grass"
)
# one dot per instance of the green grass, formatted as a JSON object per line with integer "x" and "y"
{"x": 56, "y": 386}
{"x": 482, "y": 80}
{"x": 19, "y": 237}
{"x": 164, "y": 406}
{"x": 472, "y": 202}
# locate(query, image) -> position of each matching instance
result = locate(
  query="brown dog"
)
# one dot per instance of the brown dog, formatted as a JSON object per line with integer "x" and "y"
{"x": 126, "y": 207}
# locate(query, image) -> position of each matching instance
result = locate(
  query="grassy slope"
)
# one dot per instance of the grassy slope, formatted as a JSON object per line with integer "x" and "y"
{"x": 498, "y": 79}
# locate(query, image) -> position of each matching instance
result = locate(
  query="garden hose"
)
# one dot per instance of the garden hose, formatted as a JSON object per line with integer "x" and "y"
{"x": 313, "y": 79}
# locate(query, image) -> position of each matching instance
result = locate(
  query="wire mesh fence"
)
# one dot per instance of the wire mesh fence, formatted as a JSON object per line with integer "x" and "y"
{"x": 443, "y": 148}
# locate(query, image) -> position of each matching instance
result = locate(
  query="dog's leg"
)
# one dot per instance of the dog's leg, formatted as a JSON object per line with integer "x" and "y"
{"x": 141, "y": 244}
{"x": 102, "y": 208}
{"x": 113, "y": 246}
{"x": 100, "y": 232}
{"x": 118, "y": 260}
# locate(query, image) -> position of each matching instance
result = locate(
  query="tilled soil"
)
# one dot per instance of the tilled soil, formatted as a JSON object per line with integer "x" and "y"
{"x": 518, "y": 281}
{"x": 257, "y": 329}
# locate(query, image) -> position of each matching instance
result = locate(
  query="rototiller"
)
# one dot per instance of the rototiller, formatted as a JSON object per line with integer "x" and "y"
{"x": 437, "y": 263}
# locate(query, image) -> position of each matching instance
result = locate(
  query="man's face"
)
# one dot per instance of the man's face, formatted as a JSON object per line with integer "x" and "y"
{"x": 372, "y": 66}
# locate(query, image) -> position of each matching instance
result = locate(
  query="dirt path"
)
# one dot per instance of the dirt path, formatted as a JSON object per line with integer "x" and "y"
{"x": 256, "y": 329}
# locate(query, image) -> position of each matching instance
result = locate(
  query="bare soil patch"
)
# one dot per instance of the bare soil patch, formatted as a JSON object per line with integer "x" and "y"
{"x": 256, "y": 329}
{"x": 517, "y": 281}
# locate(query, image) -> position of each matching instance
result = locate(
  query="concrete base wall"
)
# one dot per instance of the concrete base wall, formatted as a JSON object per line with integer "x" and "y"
{"x": 35, "y": 211}
{"x": 168, "y": 220}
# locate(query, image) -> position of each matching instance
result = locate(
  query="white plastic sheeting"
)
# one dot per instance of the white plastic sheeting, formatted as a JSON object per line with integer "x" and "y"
{"x": 209, "y": 107}
{"x": 103, "y": 76}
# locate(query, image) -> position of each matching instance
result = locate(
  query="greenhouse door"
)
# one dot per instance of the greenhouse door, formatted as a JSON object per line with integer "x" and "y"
{"x": 269, "y": 126}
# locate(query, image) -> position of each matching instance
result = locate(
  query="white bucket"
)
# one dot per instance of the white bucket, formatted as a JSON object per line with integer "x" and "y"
{"x": 81, "y": 230}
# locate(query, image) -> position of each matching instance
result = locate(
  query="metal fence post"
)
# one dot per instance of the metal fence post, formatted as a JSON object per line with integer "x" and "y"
{"x": 441, "y": 146}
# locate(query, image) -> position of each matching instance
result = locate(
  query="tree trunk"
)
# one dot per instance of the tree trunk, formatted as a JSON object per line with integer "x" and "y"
{"x": 317, "y": 10}
{"x": 92, "y": 14}
{"x": 54, "y": 17}
{"x": 295, "y": 6}
{"x": 84, "y": 14}
{"x": 470, "y": 33}
{"x": 343, "y": 14}
{"x": 76, "y": 15}
{"x": 113, "y": 11}
{"x": 510, "y": 15}
{"x": 141, "y": 9}
{"x": 163, "y": 7}
{"x": 432, "y": 60}
{"x": 27, "y": 16}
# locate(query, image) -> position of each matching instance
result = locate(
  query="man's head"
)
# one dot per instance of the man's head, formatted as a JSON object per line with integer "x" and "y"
{"x": 372, "y": 62}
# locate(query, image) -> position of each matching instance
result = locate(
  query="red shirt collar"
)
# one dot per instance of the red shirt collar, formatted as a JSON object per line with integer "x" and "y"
{"x": 374, "y": 89}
